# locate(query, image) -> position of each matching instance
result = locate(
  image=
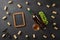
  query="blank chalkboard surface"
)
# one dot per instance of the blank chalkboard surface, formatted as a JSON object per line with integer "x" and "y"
{"x": 19, "y": 16}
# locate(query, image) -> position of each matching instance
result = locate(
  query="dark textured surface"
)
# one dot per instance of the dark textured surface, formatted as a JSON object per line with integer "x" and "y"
{"x": 12, "y": 8}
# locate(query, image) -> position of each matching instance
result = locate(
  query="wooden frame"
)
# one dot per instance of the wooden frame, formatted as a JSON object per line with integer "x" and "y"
{"x": 14, "y": 19}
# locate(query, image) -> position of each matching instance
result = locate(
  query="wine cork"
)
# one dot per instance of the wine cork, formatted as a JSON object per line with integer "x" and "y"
{"x": 26, "y": 36}
{"x": 53, "y": 5}
{"x": 19, "y": 6}
{"x": 28, "y": 9}
{"x": 4, "y": 17}
{"x": 10, "y": 2}
{"x": 7, "y": 13}
{"x": 48, "y": 6}
{"x": 56, "y": 28}
{"x": 27, "y": 2}
{"x": 54, "y": 23}
{"x": 8, "y": 23}
{"x": 53, "y": 17}
{"x": 54, "y": 12}
{"x": 19, "y": 32}
{"x": 15, "y": 37}
{"x": 44, "y": 36}
{"x": 52, "y": 35}
{"x": 3, "y": 35}
{"x": 34, "y": 36}
{"x": 5, "y": 8}
{"x": 38, "y": 3}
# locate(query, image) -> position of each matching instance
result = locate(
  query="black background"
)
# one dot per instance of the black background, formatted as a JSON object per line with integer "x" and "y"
{"x": 12, "y": 8}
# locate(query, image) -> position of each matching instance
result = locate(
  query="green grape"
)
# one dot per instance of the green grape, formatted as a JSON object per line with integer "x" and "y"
{"x": 43, "y": 17}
